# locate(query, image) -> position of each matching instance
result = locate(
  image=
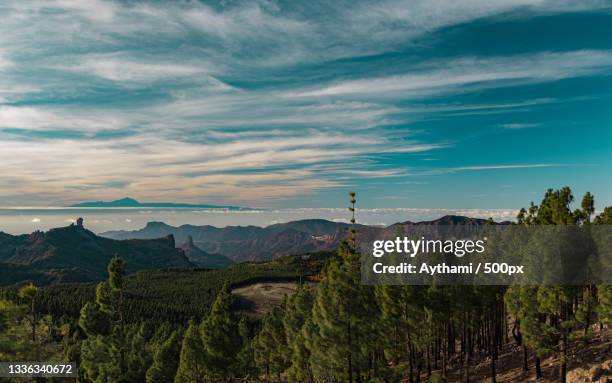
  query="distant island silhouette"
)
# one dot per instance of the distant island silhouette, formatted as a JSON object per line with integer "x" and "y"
{"x": 131, "y": 202}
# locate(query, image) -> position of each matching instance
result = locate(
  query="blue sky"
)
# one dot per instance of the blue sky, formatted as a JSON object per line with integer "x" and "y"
{"x": 434, "y": 104}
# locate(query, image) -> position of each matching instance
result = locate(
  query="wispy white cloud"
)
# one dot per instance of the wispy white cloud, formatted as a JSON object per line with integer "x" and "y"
{"x": 270, "y": 110}
{"x": 211, "y": 99}
{"x": 263, "y": 33}
{"x": 414, "y": 148}
{"x": 93, "y": 10}
{"x": 244, "y": 22}
{"x": 474, "y": 72}
{"x": 115, "y": 68}
{"x": 37, "y": 118}
{"x": 237, "y": 170}
{"x": 426, "y": 172}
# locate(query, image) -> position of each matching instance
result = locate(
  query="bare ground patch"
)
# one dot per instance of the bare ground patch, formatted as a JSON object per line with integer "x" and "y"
{"x": 261, "y": 298}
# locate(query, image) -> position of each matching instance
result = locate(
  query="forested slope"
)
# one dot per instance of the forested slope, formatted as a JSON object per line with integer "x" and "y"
{"x": 75, "y": 254}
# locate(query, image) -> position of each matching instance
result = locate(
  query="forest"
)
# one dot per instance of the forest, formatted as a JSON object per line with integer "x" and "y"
{"x": 157, "y": 326}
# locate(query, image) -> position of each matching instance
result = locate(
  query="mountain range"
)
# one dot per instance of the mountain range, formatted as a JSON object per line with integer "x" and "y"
{"x": 254, "y": 243}
{"x": 131, "y": 202}
{"x": 75, "y": 254}
{"x": 248, "y": 243}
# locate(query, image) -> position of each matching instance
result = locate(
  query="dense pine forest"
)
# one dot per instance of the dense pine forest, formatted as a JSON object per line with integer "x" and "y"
{"x": 186, "y": 326}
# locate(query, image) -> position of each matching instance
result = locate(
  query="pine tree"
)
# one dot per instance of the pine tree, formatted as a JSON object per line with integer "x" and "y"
{"x": 512, "y": 299}
{"x": 191, "y": 367}
{"x": 14, "y": 339}
{"x": 605, "y": 217}
{"x": 71, "y": 345}
{"x": 588, "y": 207}
{"x": 97, "y": 360}
{"x": 297, "y": 312}
{"x": 604, "y": 309}
{"x": 28, "y": 293}
{"x": 343, "y": 314}
{"x": 604, "y": 291}
{"x": 549, "y": 314}
{"x": 270, "y": 345}
{"x": 165, "y": 360}
{"x": 26, "y": 334}
{"x": 391, "y": 306}
{"x": 104, "y": 353}
{"x": 94, "y": 321}
{"x": 396, "y": 313}
{"x": 220, "y": 336}
{"x": 138, "y": 356}
{"x": 245, "y": 361}
{"x": 343, "y": 333}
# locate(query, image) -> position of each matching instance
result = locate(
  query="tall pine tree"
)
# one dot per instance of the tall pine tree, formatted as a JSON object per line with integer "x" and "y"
{"x": 220, "y": 337}
{"x": 191, "y": 367}
{"x": 297, "y": 313}
{"x": 104, "y": 352}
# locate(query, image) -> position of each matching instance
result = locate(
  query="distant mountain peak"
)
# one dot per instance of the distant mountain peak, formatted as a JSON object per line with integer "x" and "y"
{"x": 127, "y": 200}
{"x": 131, "y": 202}
{"x": 451, "y": 219}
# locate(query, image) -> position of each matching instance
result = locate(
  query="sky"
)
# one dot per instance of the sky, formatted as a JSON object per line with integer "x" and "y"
{"x": 412, "y": 104}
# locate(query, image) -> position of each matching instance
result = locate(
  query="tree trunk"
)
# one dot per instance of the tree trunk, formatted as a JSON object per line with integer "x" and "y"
{"x": 516, "y": 333}
{"x": 588, "y": 314}
{"x": 467, "y": 368}
{"x": 563, "y": 345}
{"x": 563, "y": 365}
{"x": 428, "y": 362}
{"x": 493, "y": 336}
{"x": 538, "y": 367}
{"x": 444, "y": 362}
{"x": 419, "y": 369}
{"x": 450, "y": 343}
{"x": 349, "y": 356}
{"x": 410, "y": 359}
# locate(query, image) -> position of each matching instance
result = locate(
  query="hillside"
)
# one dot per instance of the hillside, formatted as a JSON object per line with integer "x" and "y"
{"x": 75, "y": 254}
{"x": 171, "y": 295}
